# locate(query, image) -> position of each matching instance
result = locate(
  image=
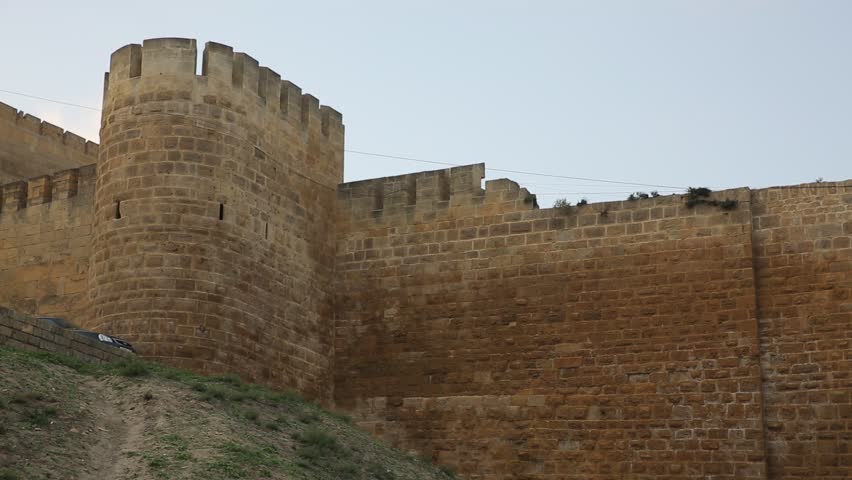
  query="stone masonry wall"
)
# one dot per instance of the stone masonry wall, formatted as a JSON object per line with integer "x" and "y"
{"x": 803, "y": 267}
{"x": 617, "y": 340}
{"x": 45, "y": 243}
{"x": 30, "y": 147}
{"x": 213, "y": 244}
{"x": 28, "y": 333}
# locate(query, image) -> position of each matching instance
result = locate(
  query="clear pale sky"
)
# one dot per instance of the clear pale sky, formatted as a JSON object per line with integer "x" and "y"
{"x": 681, "y": 93}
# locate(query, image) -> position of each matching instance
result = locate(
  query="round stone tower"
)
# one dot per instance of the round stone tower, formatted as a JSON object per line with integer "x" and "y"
{"x": 215, "y": 199}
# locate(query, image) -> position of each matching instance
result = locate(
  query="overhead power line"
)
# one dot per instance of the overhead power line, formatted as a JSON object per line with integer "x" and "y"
{"x": 435, "y": 162}
{"x": 520, "y": 172}
{"x": 51, "y": 100}
{"x": 397, "y": 157}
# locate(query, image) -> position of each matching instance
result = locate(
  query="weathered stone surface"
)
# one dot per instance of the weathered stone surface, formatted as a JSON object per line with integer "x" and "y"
{"x": 635, "y": 339}
{"x": 30, "y": 147}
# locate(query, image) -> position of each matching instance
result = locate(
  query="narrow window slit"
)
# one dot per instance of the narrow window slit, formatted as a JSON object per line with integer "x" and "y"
{"x": 117, "y": 209}
{"x": 266, "y": 231}
{"x": 379, "y": 197}
{"x": 221, "y": 211}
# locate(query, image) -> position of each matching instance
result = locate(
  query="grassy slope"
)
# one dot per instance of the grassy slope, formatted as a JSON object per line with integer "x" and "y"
{"x": 63, "y": 419}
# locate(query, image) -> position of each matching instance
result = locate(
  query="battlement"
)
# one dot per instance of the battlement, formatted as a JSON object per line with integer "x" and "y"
{"x": 62, "y": 185}
{"x": 171, "y": 60}
{"x": 27, "y": 122}
{"x": 431, "y": 191}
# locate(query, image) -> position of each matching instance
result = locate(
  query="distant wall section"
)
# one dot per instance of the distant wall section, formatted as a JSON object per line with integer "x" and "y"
{"x": 45, "y": 242}
{"x": 31, "y": 147}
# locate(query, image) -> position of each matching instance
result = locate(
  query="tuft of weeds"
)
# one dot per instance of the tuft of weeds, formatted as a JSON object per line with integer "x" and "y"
{"x": 655, "y": 194}
{"x": 728, "y": 204}
{"x": 215, "y": 392}
{"x": 229, "y": 378}
{"x": 698, "y": 196}
{"x": 245, "y": 461}
{"x": 320, "y": 451}
{"x": 341, "y": 417}
{"x": 318, "y": 440}
{"x": 582, "y": 202}
{"x": 562, "y": 205}
{"x": 131, "y": 368}
{"x": 251, "y": 415}
{"x": 448, "y": 471}
{"x": 308, "y": 417}
{"x": 40, "y": 417}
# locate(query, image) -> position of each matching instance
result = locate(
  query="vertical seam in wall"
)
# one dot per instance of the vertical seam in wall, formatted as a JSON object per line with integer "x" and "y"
{"x": 757, "y": 317}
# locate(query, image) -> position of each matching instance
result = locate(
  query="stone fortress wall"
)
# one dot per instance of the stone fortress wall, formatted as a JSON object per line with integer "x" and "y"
{"x": 47, "y": 181}
{"x": 31, "y": 147}
{"x": 213, "y": 241}
{"x": 634, "y": 339}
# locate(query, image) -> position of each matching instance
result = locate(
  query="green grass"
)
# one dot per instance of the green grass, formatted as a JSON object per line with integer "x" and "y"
{"x": 308, "y": 417}
{"x": 40, "y": 417}
{"x": 273, "y": 431}
{"x": 319, "y": 451}
{"x": 7, "y": 475}
{"x": 237, "y": 460}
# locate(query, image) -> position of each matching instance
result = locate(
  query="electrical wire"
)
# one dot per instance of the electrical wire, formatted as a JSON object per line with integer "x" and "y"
{"x": 435, "y": 162}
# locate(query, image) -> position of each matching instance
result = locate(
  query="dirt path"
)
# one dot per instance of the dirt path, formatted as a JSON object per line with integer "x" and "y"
{"x": 119, "y": 431}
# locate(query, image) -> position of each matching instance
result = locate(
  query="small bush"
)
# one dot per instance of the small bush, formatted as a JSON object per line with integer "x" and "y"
{"x": 316, "y": 445}
{"x": 728, "y": 204}
{"x": 655, "y": 194}
{"x": 562, "y": 205}
{"x": 582, "y": 202}
{"x": 217, "y": 392}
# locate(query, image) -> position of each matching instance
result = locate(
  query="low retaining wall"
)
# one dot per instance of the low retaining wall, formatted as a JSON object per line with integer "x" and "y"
{"x": 30, "y": 333}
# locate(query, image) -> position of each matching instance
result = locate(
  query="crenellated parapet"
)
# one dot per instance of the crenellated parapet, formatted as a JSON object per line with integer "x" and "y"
{"x": 234, "y": 92}
{"x": 16, "y": 196}
{"x": 26, "y": 122}
{"x": 424, "y": 194}
{"x": 219, "y": 190}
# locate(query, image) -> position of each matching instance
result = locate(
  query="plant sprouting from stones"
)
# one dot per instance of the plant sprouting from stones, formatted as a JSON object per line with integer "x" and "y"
{"x": 562, "y": 205}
